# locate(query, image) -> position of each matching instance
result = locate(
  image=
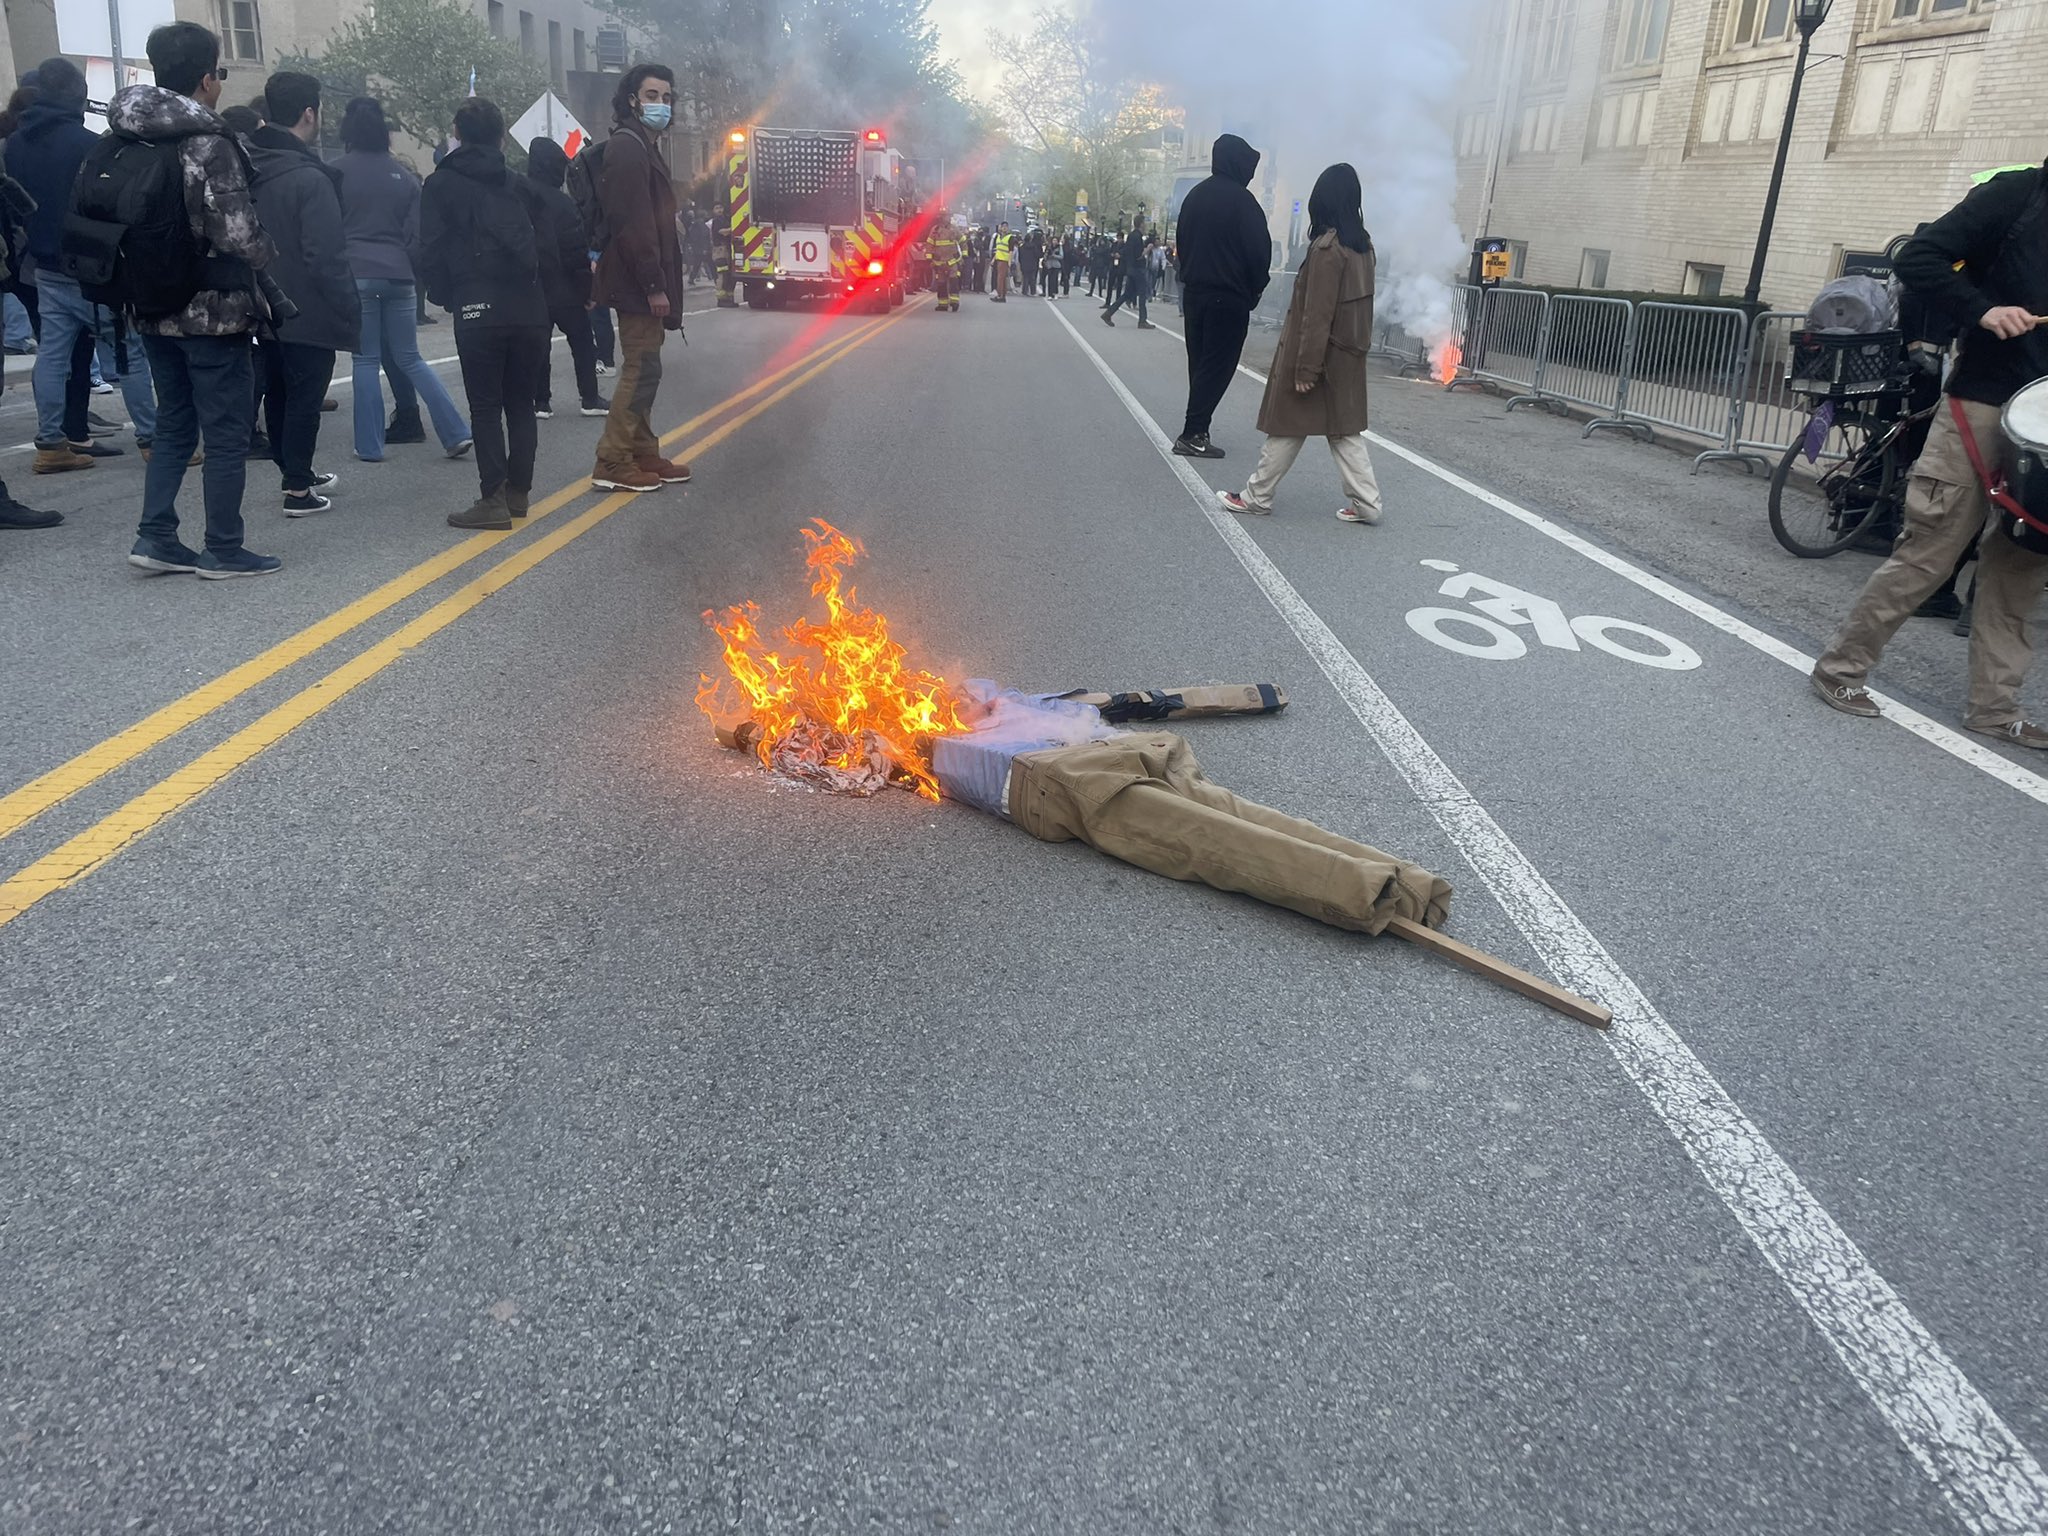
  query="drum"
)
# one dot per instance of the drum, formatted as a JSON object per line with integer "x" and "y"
{"x": 2025, "y": 421}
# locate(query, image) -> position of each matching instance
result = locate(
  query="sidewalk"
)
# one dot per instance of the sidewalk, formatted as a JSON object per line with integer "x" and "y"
{"x": 1710, "y": 531}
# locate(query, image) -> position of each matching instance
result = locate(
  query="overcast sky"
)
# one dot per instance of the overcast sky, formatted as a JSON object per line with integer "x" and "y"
{"x": 963, "y": 24}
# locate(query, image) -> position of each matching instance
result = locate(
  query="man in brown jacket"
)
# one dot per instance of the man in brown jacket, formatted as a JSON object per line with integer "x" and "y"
{"x": 639, "y": 274}
{"x": 1317, "y": 384}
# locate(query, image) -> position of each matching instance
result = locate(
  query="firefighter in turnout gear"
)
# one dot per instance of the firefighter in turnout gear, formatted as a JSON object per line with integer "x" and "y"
{"x": 942, "y": 247}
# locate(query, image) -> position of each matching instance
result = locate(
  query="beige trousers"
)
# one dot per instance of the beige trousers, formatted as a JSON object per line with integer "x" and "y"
{"x": 1143, "y": 799}
{"x": 1354, "y": 463}
{"x": 1947, "y": 511}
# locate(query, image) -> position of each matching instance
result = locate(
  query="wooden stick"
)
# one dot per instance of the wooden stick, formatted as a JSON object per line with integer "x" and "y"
{"x": 1570, "y": 1004}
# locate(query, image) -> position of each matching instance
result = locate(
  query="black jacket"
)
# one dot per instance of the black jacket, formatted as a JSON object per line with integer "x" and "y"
{"x": 1224, "y": 244}
{"x": 478, "y": 252}
{"x": 296, "y": 200}
{"x": 2000, "y": 235}
{"x": 564, "y": 245}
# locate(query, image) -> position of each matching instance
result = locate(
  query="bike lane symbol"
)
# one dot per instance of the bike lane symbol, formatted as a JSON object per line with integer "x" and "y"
{"x": 1487, "y": 632}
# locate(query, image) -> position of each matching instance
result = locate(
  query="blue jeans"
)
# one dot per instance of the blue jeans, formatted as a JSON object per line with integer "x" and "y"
{"x": 391, "y": 320}
{"x": 19, "y": 332}
{"x": 65, "y": 314}
{"x": 207, "y": 383}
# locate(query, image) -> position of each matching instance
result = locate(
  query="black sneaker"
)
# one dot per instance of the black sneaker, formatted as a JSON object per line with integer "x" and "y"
{"x": 98, "y": 425}
{"x": 405, "y": 430}
{"x": 1197, "y": 447}
{"x": 166, "y": 556}
{"x": 1109, "y": 320}
{"x": 305, "y": 503}
{"x": 323, "y": 480}
{"x": 211, "y": 567}
{"x": 598, "y": 407}
{"x": 544, "y": 413}
{"x": 93, "y": 450}
{"x": 14, "y": 515}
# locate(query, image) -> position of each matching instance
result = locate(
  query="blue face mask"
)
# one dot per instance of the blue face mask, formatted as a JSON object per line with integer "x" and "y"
{"x": 654, "y": 114}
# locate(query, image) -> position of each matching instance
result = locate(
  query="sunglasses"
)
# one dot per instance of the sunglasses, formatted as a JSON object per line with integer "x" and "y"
{"x": 219, "y": 72}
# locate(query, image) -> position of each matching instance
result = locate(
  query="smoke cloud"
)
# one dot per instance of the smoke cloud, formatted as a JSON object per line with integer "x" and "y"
{"x": 1312, "y": 82}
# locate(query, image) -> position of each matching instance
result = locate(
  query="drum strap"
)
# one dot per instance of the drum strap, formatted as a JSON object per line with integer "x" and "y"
{"x": 2001, "y": 497}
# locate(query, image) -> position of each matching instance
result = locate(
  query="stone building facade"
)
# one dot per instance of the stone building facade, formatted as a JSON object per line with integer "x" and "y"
{"x": 1627, "y": 144}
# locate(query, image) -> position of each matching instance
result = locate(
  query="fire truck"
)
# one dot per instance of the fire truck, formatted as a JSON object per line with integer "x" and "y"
{"x": 818, "y": 214}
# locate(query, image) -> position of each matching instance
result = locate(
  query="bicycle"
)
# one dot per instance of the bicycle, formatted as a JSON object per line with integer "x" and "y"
{"x": 1862, "y": 434}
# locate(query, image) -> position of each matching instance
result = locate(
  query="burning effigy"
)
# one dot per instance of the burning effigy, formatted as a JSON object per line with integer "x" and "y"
{"x": 836, "y": 702}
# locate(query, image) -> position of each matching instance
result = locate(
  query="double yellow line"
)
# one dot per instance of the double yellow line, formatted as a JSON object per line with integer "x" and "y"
{"x": 82, "y": 854}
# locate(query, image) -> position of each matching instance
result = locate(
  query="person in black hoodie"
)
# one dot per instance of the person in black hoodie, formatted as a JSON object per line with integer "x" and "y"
{"x": 480, "y": 257}
{"x": 1984, "y": 264}
{"x": 564, "y": 275}
{"x": 298, "y": 198}
{"x": 1225, "y": 255}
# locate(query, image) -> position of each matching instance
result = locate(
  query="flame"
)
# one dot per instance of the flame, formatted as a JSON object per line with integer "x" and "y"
{"x": 846, "y": 674}
{"x": 1445, "y": 363}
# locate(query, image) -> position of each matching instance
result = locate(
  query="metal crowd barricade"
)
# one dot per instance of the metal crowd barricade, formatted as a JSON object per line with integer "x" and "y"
{"x": 1686, "y": 368}
{"x": 1506, "y": 343}
{"x": 1587, "y": 358}
{"x": 1769, "y": 416}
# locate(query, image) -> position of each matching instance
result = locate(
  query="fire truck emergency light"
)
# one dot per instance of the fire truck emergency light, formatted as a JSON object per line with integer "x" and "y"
{"x": 874, "y": 136}
{"x": 874, "y": 269}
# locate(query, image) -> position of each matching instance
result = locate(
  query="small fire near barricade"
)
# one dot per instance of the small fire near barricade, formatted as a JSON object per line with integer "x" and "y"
{"x": 1449, "y": 355}
{"x": 835, "y": 703}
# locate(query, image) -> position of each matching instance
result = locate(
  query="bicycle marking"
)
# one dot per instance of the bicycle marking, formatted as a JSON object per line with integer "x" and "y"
{"x": 1499, "y": 610}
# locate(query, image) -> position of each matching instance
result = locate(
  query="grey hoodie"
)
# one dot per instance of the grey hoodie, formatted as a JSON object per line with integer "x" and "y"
{"x": 217, "y": 201}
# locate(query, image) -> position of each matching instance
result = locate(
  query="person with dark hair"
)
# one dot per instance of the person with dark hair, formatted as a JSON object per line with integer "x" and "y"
{"x": 380, "y": 215}
{"x": 1316, "y": 386}
{"x": 564, "y": 276}
{"x": 1226, "y": 255}
{"x": 479, "y": 255}
{"x": 1137, "y": 285}
{"x": 199, "y": 352}
{"x": 639, "y": 274}
{"x": 299, "y": 201}
{"x": 43, "y": 154}
{"x": 15, "y": 207}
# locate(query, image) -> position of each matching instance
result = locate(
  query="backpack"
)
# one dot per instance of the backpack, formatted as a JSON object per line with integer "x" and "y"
{"x": 586, "y": 183}
{"x": 127, "y": 241}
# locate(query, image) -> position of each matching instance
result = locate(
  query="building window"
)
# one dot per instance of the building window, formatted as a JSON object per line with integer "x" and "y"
{"x": 1593, "y": 269}
{"x": 1703, "y": 280}
{"x": 1753, "y": 23}
{"x": 1928, "y": 10}
{"x": 241, "y": 33}
{"x": 1550, "y": 40}
{"x": 526, "y": 34}
{"x": 582, "y": 52}
{"x": 496, "y": 14}
{"x": 1640, "y": 40}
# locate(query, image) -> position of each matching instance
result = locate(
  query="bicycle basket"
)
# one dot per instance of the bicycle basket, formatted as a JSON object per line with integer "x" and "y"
{"x": 1847, "y": 363}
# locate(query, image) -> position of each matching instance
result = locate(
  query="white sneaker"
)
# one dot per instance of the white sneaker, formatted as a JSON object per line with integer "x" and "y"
{"x": 103, "y": 388}
{"x": 1350, "y": 514}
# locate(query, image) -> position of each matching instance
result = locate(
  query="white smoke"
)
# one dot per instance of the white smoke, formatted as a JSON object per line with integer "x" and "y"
{"x": 1311, "y": 82}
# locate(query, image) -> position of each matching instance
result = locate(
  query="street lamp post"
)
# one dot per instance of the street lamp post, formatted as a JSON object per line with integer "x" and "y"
{"x": 1807, "y": 16}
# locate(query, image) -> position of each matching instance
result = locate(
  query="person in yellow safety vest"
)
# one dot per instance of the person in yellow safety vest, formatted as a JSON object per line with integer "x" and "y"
{"x": 1004, "y": 241}
{"x": 942, "y": 249}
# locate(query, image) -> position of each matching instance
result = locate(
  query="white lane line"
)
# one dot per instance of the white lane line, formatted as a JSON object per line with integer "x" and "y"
{"x": 1992, "y": 1482}
{"x": 1948, "y": 738}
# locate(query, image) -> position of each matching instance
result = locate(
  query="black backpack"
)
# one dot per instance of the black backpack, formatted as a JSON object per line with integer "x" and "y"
{"x": 586, "y": 183}
{"x": 127, "y": 241}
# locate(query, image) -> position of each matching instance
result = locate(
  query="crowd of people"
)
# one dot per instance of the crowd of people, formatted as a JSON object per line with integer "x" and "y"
{"x": 214, "y": 267}
{"x": 1131, "y": 266}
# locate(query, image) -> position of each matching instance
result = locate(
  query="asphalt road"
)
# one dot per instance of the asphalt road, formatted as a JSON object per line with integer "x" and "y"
{"x": 445, "y": 1093}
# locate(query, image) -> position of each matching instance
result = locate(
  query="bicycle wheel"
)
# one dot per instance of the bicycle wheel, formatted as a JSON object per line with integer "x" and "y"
{"x": 1858, "y": 475}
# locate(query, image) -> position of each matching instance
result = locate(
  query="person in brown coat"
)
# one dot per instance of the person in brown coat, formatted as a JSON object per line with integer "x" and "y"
{"x": 1316, "y": 387}
{"x": 639, "y": 274}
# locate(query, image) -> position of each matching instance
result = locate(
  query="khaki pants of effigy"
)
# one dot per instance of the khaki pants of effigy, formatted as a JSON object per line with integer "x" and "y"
{"x": 1143, "y": 799}
{"x": 1946, "y": 512}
